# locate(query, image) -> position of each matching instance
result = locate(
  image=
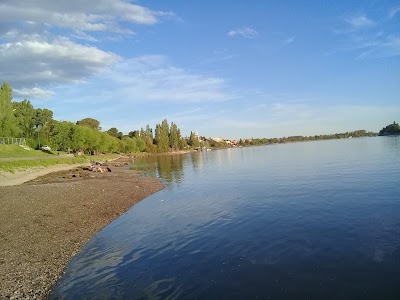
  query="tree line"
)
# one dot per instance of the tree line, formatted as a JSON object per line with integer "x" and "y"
{"x": 300, "y": 138}
{"x": 391, "y": 129}
{"x": 21, "y": 119}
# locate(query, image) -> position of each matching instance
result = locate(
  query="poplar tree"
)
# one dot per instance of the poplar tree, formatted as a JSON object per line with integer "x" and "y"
{"x": 174, "y": 136}
{"x": 162, "y": 136}
{"x": 8, "y": 124}
{"x": 194, "y": 140}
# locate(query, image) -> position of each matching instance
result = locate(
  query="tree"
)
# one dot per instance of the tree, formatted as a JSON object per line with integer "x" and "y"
{"x": 392, "y": 129}
{"x": 8, "y": 122}
{"x": 89, "y": 122}
{"x": 135, "y": 133}
{"x": 174, "y": 136}
{"x": 42, "y": 117}
{"x": 25, "y": 118}
{"x": 162, "y": 136}
{"x": 147, "y": 136}
{"x": 194, "y": 141}
{"x": 182, "y": 143}
{"x": 113, "y": 132}
{"x": 60, "y": 135}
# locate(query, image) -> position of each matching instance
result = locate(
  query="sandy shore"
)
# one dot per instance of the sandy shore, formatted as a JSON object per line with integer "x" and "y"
{"x": 19, "y": 177}
{"x": 45, "y": 221}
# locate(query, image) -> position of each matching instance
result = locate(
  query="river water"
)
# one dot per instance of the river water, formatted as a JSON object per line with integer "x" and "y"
{"x": 314, "y": 220}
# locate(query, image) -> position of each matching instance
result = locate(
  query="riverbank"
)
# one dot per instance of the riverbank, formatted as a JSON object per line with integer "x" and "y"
{"x": 20, "y": 177}
{"x": 47, "y": 220}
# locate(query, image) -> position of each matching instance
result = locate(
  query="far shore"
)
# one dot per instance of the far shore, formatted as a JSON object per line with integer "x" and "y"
{"x": 48, "y": 214}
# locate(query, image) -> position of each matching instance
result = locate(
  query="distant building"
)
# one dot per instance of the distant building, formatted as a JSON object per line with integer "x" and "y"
{"x": 217, "y": 139}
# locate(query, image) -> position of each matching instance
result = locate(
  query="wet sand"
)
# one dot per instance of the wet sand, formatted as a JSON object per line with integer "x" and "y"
{"x": 45, "y": 221}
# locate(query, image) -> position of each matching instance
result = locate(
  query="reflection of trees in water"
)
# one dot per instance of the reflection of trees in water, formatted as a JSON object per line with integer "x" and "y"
{"x": 145, "y": 164}
{"x": 170, "y": 167}
{"x": 167, "y": 167}
{"x": 197, "y": 161}
{"x": 392, "y": 142}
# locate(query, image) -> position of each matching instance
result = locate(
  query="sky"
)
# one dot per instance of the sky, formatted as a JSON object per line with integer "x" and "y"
{"x": 232, "y": 69}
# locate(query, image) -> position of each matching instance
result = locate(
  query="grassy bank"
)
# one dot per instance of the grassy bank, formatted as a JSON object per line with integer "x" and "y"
{"x": 17, "y": 151}
{"x": 12, "y": 166}
{"x": 15, "y": 165}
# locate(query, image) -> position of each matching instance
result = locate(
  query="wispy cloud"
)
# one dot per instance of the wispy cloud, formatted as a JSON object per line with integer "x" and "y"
{"x": 369, "y": 39}
{"x": 387, "y": 47}
{"x": 290, "y": 40}
{"x": 245, "y": 32}
{"x": 360, "y": 21}
{"x": 83, "y": 36}
{"x": 394, "y": 11}
{"x": 153, "y": 79}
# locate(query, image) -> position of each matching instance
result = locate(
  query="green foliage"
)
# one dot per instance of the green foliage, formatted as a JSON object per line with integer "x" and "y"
{"x": 162, "y": 136}
{"x": 42, "y": 117}
{"x": 20, "y": 119}
{"x": 11, "y": 166}
{"x": 135, "y": 133}
{"x": 194, "y": 141}
{"x": 290, "y": 139}
{"x": 132, "y": 145}
{"x": 25, "y": 118}
{"x": 115, "y": 133}
{"x": 182, "y": 143}
{"x": 18, "y": 151}
{"x": 43, "y": 124}
{"x": 392, "y": 129}
{"x": 147, "y": 136}
{"x": 174, "y": 136}
{"x": 8, "y": 122}
{"x": 89, "y": 122}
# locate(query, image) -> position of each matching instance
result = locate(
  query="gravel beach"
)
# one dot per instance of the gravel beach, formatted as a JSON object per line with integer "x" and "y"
{"x": 45, "y": 221}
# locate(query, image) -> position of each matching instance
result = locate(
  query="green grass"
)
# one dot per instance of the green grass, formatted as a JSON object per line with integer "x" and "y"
{"x": 15, "y": 165}
{"x": 12, "y": 166}
{"x": 18, "y": 151}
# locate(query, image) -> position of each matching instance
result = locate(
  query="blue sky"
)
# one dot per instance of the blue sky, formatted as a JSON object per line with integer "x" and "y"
{"x": 235, "y": 69}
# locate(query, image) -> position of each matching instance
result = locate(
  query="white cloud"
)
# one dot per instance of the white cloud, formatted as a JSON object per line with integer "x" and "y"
{"x": 31, "y": 63}
{"x": 246, "y": 32}
{"x": 90, "y": 15}
{"x": 153, "y": 78}
{"x": 360, "y": 21}
{"x": 33, "y": 54}
{"x": 33, "y": 93}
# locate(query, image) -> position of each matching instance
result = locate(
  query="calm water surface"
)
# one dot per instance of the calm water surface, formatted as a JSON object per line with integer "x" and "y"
{"x": 317, "y": 220}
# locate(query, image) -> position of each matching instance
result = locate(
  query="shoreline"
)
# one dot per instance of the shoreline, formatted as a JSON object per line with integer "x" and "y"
{"x": 20, "y": 177}
{"x": 45, "y": 221}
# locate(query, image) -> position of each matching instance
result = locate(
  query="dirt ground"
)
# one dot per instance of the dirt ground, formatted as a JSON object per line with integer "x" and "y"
{"x": 45, "y": 221}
